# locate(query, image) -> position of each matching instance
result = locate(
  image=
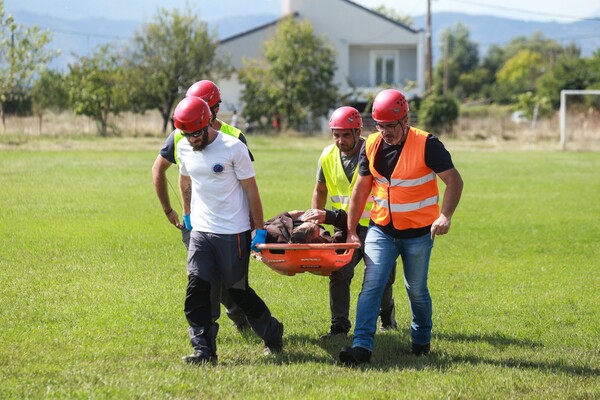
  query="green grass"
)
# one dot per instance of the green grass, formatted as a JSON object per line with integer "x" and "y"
{"x": 92, "y": 281}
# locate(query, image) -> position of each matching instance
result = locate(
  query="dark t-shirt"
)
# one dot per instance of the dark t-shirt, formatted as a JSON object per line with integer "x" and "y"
{"x": 436, "y": 157}
{"x": 349, "y": 163}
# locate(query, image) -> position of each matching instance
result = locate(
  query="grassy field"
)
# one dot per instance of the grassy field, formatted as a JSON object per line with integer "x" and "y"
{"x": 93, "y": 279}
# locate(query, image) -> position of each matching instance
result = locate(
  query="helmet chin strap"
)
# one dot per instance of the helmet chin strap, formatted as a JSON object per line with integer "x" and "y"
{"x": 355, "y": 139}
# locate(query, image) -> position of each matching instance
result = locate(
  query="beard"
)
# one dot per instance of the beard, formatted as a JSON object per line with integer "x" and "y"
{"x": 201, "y": 143}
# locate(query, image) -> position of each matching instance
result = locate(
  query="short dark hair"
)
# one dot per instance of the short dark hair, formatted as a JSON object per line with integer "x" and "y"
{"x": 307, "y": 232}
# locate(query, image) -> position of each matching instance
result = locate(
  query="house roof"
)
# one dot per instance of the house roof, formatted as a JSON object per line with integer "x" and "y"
{"x": 377, "y": 14}
{"x": 296, "y": 15}
{"x": 258, "y": 28}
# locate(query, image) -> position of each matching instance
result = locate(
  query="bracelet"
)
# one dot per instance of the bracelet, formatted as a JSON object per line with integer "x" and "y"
{"x": 169, "y": 212}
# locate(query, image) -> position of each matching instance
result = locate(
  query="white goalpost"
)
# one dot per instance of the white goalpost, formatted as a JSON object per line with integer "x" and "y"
{"x": 563, "y": 111}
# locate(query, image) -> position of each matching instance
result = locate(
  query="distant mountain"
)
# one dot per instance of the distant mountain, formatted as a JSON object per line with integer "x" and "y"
{"x": 81, "y": 36}
{"x": 488, "y": 30}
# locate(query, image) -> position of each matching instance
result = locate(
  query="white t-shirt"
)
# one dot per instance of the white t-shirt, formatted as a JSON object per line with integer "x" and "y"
{"x": 219, "y": 203}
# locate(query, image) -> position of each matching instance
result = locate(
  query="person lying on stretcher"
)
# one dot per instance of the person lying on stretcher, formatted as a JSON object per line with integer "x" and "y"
{"x": 304, "y": 227}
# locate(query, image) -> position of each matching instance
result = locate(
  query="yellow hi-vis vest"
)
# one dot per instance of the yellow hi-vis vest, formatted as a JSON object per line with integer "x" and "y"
{"x": 338, "y": 187}
{"x": 410, "y": 198}
{"x": 225, "y": 128}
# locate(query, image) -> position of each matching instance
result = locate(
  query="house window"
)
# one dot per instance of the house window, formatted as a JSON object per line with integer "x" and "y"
{"x": 383, "y": 68}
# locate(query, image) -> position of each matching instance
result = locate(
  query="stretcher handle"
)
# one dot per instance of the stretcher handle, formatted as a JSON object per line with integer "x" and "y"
{"x": 305, "y": 246}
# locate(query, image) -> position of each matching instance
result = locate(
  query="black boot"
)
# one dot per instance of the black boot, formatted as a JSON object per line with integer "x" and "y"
{"x": 336, "y": 331}
{"x": 275, "y": 346}
{"x": 204, "y": 342}
{"x": 355, "y": 355}
{"x": 388, "y": 319}
{"x": 420, "y": 349}
{"x": 200, "y": 356}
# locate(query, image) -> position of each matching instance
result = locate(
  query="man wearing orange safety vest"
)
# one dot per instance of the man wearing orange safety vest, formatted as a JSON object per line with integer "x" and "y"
{"x": 399, "y": 166}
{"x": 336, "y": 175}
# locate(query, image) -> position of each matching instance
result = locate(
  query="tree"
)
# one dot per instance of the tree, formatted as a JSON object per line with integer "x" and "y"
{"x": 23, "y": 54}
{"x": 439, "y": 113}
{"x": 296, "y": 81}
{"x": 568, "y": 73}
{"x": 98, "y": 86}
{"x": 167, "y": 56}
{"x": 49, "y": 92}
{"x": 461, "y": 57}
{"x": 393, "y": 14}
{"x": 518, "y": 75}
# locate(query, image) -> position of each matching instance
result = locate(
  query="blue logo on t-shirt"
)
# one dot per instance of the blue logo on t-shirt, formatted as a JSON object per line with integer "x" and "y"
{"x": 218, "y": 168}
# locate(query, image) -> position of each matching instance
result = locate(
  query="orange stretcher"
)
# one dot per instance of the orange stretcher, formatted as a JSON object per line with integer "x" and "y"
{"x": 316, "y": 258}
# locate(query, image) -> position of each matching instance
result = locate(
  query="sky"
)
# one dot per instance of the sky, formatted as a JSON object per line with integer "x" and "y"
{"x": 143, "y": 10}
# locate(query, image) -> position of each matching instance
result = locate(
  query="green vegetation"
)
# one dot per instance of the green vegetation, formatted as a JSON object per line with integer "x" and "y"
{"x": 23, "y": 55}
{"x": 291, "y": 81}
{"x": 93, "y": 281}
{"x": 294, "y": 81}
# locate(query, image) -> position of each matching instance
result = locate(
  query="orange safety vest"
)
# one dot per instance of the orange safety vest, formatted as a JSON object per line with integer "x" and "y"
{"x": 410, "y": 199}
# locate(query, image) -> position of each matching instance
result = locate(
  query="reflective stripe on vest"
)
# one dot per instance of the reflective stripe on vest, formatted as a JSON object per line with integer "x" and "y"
{"x": 345, "y": 201}
{"x": 410, "y": 199}
{"x": 407, "y": 206}
{"x": 338, "y": 186}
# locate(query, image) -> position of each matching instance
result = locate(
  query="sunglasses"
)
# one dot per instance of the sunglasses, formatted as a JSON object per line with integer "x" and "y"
{"x": 381, "y": 127}
{"x": 196, "y": 134}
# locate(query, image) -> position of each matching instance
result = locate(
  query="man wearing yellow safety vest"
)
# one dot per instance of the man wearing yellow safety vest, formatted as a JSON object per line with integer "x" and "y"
{"x": 210, "y": 93}
{"x": 399, "y": 167}
{"x": 336, "y": 176}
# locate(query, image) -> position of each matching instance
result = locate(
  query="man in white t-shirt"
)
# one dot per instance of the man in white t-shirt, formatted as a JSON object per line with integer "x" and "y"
{"x": 219, "y": 191}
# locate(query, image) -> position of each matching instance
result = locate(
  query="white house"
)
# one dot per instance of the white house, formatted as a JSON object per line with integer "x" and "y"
{"x": 371, "y": 48}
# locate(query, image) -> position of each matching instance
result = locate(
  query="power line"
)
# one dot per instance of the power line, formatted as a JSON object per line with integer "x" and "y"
{"x": 497, "y": 7}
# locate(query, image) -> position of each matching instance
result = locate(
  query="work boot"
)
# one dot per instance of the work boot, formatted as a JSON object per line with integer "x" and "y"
{"x": 333, "y": 335}
{"x": 276, "y": 345}
{"x": 388, "y": 320}
{"x": 338, "y": 329}
{"x": 243, "y": 327}
{"x": 200, "y": 356}
{"x": 420, "y": 349}
{"x": 354, "y": 356}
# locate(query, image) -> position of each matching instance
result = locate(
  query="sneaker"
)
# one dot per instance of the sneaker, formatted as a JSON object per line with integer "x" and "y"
{"x": 200, "y": 357}
{"x": 420, "y": 349}
{"x": 334, "y": 335}
{"x": 276, "y": 346}
{"x": 354, "y": 355}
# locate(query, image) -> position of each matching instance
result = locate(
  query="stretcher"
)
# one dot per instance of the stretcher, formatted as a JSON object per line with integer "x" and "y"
{"x": 316, "y": 258}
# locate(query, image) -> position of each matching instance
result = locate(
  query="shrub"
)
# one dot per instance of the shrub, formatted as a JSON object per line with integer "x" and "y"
{"x": 439, "y": 113}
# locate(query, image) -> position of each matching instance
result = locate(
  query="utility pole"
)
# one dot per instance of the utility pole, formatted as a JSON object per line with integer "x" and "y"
{"x": 429, "y": 62}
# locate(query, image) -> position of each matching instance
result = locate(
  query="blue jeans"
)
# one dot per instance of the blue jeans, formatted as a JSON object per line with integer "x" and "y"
{"x": 381, "y": 251}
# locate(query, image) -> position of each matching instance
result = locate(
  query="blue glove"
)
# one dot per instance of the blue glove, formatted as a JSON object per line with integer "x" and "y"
{"x": 260, "y": 237}
{"x": 187, "y": 221}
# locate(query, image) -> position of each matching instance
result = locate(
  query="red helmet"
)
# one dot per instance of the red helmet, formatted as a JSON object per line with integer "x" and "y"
{"x": 389, "y": 105}
{"x": 207, "y": 91}
{"x": 345, "y": 118}
{"x": 191, "y": 114}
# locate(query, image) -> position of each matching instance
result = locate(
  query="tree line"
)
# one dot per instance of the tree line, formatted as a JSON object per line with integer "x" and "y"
{"x": 294, "y": 79}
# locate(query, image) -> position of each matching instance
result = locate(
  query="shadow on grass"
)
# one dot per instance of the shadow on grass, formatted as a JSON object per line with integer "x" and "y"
{"x": 498, "y": 339}
{"x": 392, "y": 351}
